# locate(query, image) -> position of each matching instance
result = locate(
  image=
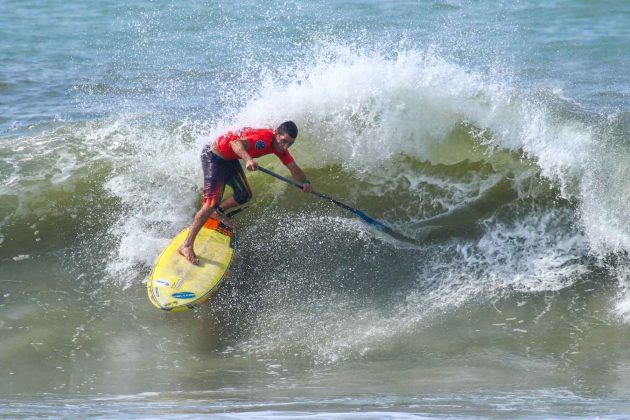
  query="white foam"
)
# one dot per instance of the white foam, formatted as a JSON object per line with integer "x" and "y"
{"x": 157, "y": 187}
{"x": 536, "y": 253}
{"x": 360, "y": 108}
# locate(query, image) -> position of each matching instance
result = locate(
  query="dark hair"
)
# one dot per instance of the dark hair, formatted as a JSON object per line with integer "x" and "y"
{"x": 288, "y": 127}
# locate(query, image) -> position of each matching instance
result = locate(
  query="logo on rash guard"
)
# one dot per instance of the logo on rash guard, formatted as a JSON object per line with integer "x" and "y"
{"x": 259, "y": 144}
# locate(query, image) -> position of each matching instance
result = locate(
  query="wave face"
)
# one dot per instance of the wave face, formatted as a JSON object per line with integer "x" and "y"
{"x": 514, "y": 188}
{"x": 501, "y": 193}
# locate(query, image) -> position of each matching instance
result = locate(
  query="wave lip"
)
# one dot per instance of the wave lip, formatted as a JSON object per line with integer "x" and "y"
{"x": 363, "y": 108}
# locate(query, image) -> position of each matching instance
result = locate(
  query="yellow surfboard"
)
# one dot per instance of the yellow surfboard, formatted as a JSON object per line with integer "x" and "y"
{"x": 177, "y": 285}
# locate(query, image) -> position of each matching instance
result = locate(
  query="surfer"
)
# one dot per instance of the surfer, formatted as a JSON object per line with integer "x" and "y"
{"x": 220, "y": 164}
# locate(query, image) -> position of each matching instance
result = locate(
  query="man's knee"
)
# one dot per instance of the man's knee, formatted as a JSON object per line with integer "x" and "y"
{"x": 243, "y": 197}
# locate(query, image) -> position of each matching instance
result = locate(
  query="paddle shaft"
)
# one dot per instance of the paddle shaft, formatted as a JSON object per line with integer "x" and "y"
{"x": 375, "y": 223}
{"x": 300, "y": 186}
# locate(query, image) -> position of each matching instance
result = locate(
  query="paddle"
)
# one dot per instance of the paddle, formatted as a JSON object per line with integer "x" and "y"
{"x": 372, "y": 222}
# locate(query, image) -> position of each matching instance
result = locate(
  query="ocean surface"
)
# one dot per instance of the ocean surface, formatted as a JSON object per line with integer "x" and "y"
{"x": 495, "y": 134}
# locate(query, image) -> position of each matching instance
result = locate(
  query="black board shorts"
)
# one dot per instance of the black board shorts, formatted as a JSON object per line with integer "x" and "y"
{"x": 217, "y": 172}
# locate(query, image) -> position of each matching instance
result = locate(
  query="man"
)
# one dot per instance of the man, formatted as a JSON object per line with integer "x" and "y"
{"x": 221, "y": 166}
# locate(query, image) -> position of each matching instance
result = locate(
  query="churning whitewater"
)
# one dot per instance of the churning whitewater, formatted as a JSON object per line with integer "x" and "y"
{"x": 467, "y": 130}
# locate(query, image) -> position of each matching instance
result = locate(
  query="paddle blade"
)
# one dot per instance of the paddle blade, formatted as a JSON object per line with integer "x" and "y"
{"x": 375, "y": 223}
{"x": 384, "y": 228}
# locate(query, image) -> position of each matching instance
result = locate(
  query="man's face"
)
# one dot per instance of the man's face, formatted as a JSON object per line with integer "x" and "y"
{"x": 283, "y": 142}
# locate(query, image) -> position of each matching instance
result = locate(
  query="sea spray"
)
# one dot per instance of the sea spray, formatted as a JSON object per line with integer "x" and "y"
{"x": 495, "y": 134}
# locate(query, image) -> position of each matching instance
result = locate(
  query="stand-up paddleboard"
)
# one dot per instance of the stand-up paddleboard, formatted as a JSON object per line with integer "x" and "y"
{"x": 175, "y": 284}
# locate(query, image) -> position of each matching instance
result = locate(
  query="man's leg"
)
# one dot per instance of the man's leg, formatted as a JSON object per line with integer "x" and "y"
{"x": 186, "y": 248}
{"x": 228, "y": 203}
{"x": 213, "y": 186}
{"x": 241, "y": 190}
{"x": 240, "y": 187}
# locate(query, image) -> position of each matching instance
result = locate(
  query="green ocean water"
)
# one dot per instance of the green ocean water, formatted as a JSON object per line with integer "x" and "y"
{"x": 493, "y": 134}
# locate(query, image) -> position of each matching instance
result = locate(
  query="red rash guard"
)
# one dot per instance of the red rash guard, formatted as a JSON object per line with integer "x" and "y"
{"x": 259, "y": 143}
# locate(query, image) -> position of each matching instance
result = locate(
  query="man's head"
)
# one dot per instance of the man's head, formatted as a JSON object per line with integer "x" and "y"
{"x": 285, "y": 135}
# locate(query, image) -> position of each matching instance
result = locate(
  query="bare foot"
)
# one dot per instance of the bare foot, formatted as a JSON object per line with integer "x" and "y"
{"x": 188, "y": 253}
